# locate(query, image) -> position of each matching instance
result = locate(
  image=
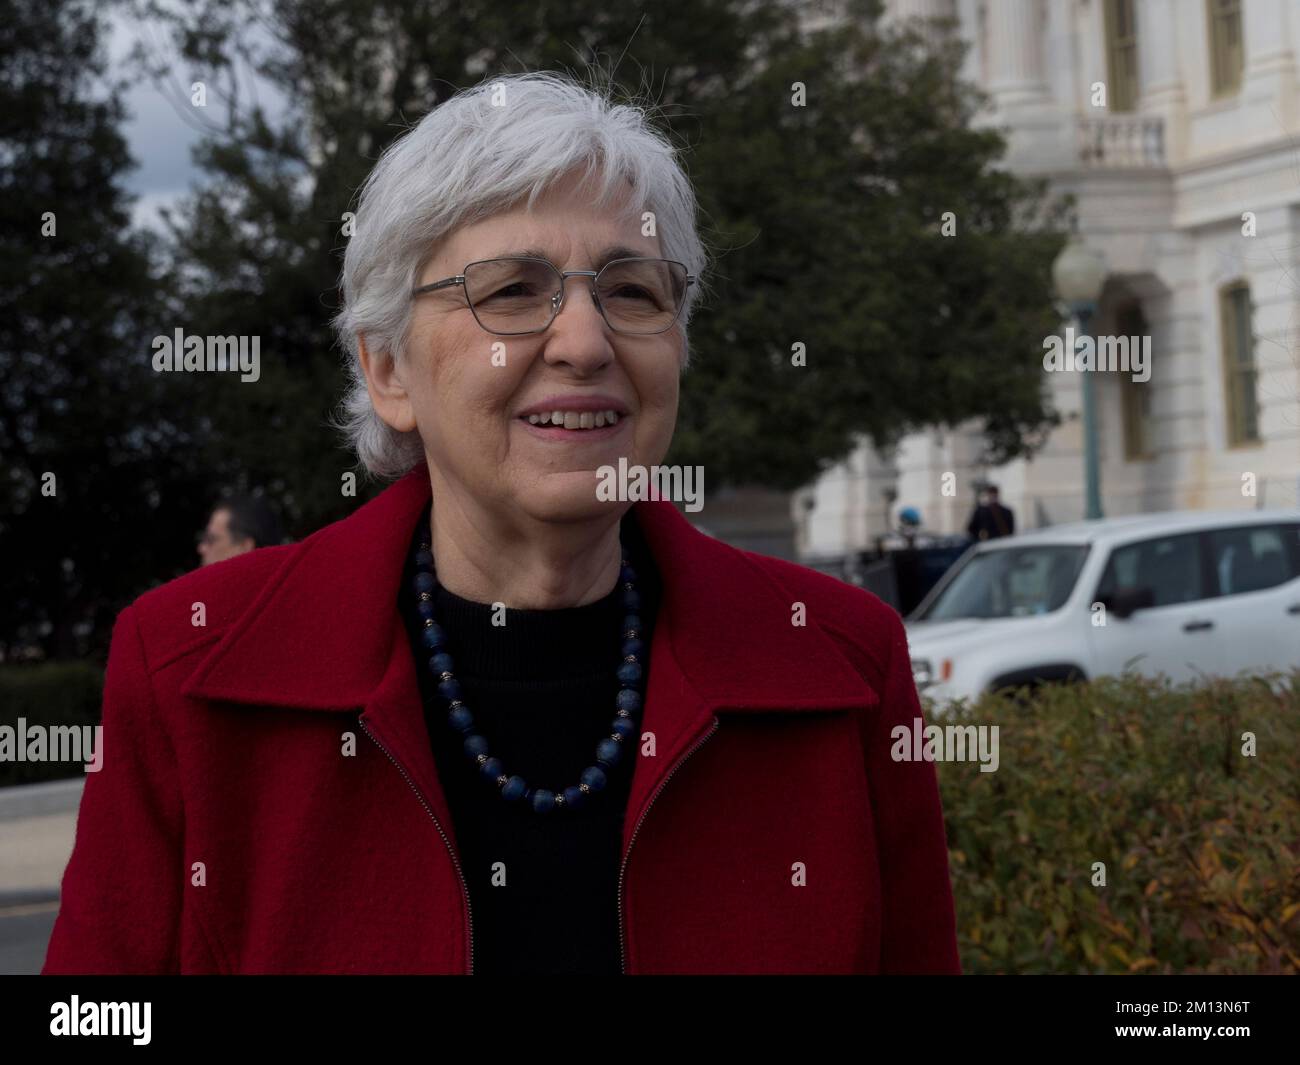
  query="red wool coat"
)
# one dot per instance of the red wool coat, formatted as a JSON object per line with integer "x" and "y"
{"x": 234, "y": 829}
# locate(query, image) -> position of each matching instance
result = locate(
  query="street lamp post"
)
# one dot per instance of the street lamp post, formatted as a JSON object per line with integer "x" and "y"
{"x": 1079, "y": 273}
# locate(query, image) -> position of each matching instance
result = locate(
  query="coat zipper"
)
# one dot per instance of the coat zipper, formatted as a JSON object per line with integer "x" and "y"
{"x": 455, "y": 861}
{"x": 622, "y": 941}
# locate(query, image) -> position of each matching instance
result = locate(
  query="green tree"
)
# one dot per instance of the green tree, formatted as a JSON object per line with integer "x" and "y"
{"x": 79, "y": 402}
{"x": 836, "y": 209}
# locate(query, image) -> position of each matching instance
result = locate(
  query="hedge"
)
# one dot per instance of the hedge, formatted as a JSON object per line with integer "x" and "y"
{"x": 48, "y": 694}
{"x": 1200, "y": 842}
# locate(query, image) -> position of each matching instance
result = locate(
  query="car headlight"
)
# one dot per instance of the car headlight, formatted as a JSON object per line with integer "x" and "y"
{"x": 922, "y": 673}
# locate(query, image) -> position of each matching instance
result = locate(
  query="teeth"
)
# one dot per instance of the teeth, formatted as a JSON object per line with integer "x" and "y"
{"x": 575, "y": 419}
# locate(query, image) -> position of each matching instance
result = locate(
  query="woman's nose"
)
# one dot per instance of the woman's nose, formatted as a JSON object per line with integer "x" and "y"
{"x": 578, "y": 333}
{"x": 585, "y": 290}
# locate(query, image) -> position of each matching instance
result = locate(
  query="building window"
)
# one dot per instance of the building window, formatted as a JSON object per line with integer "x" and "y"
{"x": 1226, "y": 52}
{"x": 1121, "y": 54}
{"x": 1239, "y": 375}
{"x": 1134, "y": 396}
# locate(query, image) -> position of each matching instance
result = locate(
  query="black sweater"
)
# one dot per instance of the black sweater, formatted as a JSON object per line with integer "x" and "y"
{"x": 542, "y": 691}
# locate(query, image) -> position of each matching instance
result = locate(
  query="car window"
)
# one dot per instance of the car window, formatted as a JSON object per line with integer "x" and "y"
{"x": 1169, "y": 565}
{"x": 1250, "y": 558}
{"x": 1009, "y": 582}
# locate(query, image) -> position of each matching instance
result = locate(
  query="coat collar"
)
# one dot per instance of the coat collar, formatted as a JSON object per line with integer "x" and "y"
{"x": 321, "y": 634}
{"x": 325, "y": 634}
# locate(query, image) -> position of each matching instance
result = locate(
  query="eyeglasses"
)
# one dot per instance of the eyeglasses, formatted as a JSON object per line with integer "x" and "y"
{"x": 517, "y": 295}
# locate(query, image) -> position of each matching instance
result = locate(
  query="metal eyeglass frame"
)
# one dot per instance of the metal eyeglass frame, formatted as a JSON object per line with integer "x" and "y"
{"x": 557, "y": 299}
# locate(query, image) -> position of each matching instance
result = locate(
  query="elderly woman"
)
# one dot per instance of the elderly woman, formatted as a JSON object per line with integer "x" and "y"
{"x": 496, "y": 721}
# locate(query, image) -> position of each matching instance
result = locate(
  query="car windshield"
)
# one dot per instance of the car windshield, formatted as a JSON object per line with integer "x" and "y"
{"x": 1009, "y": 583}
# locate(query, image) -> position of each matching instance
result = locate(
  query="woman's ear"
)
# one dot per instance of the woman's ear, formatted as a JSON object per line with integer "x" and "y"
{"x": 388, "y": 392}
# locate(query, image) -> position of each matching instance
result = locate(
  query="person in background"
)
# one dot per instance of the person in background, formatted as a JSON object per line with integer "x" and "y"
{"x": 991, "y": 519}
{"x": 236, "y": 526}
{"x": 909, "y": 525}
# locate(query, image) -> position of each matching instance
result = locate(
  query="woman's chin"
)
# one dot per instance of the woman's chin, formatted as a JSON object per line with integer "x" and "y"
{"x": 569, "y": 496}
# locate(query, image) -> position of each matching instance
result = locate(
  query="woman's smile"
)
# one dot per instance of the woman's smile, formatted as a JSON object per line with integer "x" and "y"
{"x": 571, "y": 427}
{"x": 575, "y": 417}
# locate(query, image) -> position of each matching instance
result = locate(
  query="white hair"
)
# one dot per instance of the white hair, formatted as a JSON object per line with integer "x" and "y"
{"x": 479, "y": 153}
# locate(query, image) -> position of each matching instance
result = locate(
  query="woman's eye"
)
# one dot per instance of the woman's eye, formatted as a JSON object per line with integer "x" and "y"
{"x": 632, "y": 292}
{"x": 517, "y": 290}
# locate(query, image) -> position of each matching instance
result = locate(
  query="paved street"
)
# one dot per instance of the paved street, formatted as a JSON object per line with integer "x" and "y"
{"x": 37, "y": 826}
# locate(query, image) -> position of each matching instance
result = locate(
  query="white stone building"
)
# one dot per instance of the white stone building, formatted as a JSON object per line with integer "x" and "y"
{"x": 1197, "y": 145}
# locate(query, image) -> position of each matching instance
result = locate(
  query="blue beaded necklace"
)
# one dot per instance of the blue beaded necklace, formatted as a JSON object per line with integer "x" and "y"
{"x": 609, "y": 751}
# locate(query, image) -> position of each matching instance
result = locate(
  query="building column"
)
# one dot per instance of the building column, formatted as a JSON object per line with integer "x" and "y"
{"x": 1268, "y": 82}
{"x": 1016, "y": 72}
{"x": 1160, "y": 80}
{"x": 1040, "y": 136}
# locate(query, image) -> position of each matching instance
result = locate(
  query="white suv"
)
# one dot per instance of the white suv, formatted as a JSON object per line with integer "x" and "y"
{"x": 1179, "y": 594}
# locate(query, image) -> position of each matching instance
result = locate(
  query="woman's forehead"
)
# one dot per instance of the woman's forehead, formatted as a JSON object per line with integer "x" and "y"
{"x": 589, "y": 238}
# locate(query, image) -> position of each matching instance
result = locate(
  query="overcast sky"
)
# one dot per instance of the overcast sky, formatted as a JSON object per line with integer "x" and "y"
{"x": 160, "y": 139}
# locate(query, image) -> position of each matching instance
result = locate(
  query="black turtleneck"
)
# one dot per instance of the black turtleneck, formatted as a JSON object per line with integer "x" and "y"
{"x": 542, "y": 691}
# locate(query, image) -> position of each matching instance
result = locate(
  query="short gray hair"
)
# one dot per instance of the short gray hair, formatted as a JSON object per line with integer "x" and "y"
{"x": 467, "y": 160}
